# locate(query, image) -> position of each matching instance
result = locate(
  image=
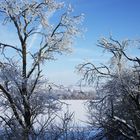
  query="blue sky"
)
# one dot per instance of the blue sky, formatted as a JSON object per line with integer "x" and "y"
{"x": 121, "y": 18}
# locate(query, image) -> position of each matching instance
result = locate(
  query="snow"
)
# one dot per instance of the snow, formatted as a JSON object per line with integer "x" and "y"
{"x": 80, "y": 130}
{"x": 78, "y": 107}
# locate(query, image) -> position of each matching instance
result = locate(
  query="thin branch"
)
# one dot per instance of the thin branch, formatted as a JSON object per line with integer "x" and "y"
{"x": 2, "y": 45}
{"x": 12, "y": 105}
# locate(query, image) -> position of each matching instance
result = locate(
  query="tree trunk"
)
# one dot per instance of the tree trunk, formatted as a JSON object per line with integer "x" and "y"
{"x": 27, "y": 114}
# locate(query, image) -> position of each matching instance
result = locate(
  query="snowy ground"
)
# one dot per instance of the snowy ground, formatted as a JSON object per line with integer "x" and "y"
{"x": 76, "y": 107}
{"x": 79, "y": 108}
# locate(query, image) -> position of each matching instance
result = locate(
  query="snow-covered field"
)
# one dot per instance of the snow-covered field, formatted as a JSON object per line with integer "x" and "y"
{"x": 76, "y": 107}
{"x": 78, "y": 124}
{"x": 79, "y": 108}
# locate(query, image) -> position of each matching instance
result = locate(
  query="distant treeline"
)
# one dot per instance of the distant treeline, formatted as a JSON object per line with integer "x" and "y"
{"x": 73, "y": 94}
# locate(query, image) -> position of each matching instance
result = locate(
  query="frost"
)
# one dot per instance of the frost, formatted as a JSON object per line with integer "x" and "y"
{"x": 23, "y": 88}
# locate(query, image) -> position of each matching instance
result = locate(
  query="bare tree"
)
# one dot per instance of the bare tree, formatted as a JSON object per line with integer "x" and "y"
{"x": 22, "y": 87}
{"x": 118, "y": 107}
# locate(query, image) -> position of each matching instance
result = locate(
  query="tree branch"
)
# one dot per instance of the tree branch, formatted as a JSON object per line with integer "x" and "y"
{"x": 2, "y": 45}
{"x": 12, "y": 105}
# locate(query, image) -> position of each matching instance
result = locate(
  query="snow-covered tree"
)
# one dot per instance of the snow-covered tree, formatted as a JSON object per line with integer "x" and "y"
{"x": 118, "y": 88}
{"x": 22, "y": 86}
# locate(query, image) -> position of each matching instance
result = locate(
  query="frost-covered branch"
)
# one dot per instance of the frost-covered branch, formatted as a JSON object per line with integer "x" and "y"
{"x": 22, "y": 85}
{"x": 3, "y": 46}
